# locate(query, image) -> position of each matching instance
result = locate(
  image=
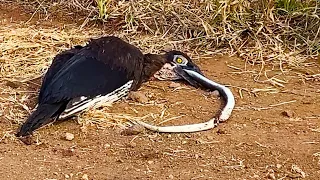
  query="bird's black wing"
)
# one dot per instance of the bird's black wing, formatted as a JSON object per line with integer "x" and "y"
{"x": 57, "y": 63}
{"x": 86, "y": 76}
{"x": 102, "y": 66}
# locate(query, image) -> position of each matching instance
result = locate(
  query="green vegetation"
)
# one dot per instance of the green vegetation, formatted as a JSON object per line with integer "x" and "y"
{"x": 102, "y": 6}
{"x": 288, "y": 6}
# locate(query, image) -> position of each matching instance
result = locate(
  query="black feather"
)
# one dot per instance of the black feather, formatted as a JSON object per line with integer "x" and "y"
{"x": 58, "y": 62}
{"x": 85, "y": 77}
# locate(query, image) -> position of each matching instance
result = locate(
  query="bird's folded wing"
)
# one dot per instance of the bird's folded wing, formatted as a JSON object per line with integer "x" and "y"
{"x": 83, "y": 76}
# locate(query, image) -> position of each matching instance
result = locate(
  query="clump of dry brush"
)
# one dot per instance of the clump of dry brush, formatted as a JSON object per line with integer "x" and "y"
{"x": 258, "y": 31}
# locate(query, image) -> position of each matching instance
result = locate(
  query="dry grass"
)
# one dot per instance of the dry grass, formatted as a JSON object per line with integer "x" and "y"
{"x": 258, "y": 31}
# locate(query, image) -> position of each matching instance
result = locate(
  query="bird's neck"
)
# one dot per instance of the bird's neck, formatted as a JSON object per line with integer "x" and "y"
{"x": 152, "y": 64}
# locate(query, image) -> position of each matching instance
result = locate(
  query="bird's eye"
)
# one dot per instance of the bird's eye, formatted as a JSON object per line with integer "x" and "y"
{"x": 179, "y": 60}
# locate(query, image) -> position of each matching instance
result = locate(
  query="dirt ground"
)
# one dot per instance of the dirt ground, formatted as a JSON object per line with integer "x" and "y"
{"x": 271, "y": 134}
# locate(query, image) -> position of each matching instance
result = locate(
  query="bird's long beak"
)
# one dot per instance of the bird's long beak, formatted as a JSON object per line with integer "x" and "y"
{"x": 184, "y": 73}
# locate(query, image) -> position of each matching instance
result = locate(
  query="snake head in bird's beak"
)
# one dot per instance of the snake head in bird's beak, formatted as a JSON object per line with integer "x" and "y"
{"x": 183, "y": 72}
{"x": 178, "y": 67}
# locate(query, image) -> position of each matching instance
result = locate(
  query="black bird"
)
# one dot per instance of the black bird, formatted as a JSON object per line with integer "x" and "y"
{"x": 106, "y": 69}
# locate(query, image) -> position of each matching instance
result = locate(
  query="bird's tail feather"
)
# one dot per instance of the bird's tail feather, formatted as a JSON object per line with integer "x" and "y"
{"x": 41, "y": 116}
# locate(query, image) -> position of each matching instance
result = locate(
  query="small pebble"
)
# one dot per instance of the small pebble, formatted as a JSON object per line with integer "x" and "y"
{"x": 271, "y": 176}
{"x": 174, "y": 85}
{"x": 85, "y": 177}
{"x": 69, "y": 136}
{"x": 133, "y": 130}
{"x": 138, "y": 97}
{"x": 107, "y": 146}
{"x": 150, "y": 162}
{"x": 214, "y": 93}
{"x": 171, "y": 176}
{"x": 221, "y": 131}
{"x": 196, "y": 156}
{"x": 288, "y": 113}
{"x": 68, "y": 152}
{"x": 66, "y": 176}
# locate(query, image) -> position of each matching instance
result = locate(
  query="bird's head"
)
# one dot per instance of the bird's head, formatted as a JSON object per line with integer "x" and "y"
{"x": 176, "y": 67}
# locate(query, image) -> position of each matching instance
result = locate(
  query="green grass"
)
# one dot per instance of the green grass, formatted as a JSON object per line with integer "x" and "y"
{"x": 288, "y": 6}
{"x": 103, "y": 9}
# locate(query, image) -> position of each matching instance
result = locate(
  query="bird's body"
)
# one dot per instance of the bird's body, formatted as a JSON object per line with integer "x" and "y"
{"x": 85, "y": 73}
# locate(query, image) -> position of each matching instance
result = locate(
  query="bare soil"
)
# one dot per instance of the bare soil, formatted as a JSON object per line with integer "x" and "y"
{"x": 271, "y": 135}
